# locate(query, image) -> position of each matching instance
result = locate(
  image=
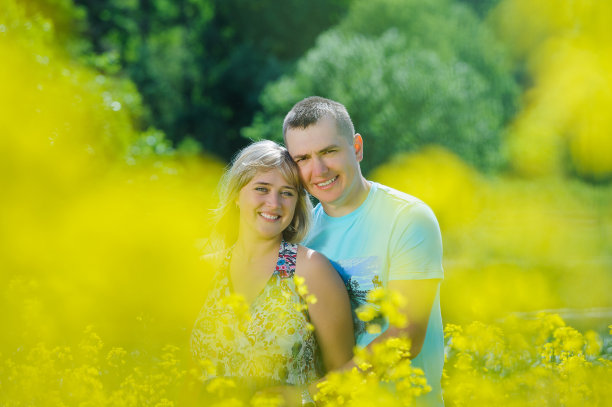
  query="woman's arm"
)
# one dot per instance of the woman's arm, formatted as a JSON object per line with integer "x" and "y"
{"x": 331, "y": 314}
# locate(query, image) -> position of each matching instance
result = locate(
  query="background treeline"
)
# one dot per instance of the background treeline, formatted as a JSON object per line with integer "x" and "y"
{"x": 201, "y": 65}
{"x": 223, "y": 72}
{"x": 479, "y": 78}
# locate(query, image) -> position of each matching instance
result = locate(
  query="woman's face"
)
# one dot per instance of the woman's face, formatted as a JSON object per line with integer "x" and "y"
{"x": 267, "y": 204}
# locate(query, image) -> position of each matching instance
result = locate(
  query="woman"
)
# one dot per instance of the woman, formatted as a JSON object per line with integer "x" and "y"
{"x": 271, "y": 341}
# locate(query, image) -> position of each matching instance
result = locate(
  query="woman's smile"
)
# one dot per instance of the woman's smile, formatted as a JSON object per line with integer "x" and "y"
{"x": 267, "y": 204}
{"x": 270, "y": 217}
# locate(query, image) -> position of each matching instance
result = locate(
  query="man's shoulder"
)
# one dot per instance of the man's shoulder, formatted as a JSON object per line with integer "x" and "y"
{"x": 385, "y": 205}
{"x": 317, "y": 210}
{"x": 406, "y": 209}
{"x": 394, "y": 197}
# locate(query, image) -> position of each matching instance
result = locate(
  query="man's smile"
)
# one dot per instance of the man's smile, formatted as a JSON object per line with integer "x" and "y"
{"x": 326, "y": 184}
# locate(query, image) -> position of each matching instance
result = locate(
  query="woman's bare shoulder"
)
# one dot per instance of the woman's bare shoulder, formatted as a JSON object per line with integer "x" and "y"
{"x": 310, "y": 261}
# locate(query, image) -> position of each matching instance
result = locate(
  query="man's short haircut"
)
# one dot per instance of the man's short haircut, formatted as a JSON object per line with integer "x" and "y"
{"x": 309, "y": 111}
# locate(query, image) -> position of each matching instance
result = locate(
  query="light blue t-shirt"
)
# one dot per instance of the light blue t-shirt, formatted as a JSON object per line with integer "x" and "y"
{"x": 390, "y": 236}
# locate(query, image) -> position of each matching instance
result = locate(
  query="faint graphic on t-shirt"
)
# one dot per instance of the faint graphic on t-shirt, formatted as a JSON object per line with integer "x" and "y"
{"x": 360, "y": 276}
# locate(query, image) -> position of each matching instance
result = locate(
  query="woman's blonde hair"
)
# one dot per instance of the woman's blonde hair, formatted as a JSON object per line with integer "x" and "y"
{"x": 261, "y": 156}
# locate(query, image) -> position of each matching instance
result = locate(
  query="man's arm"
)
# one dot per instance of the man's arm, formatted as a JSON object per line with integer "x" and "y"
{"x": 419, "y": 297}
{"x": 415, "y": 272}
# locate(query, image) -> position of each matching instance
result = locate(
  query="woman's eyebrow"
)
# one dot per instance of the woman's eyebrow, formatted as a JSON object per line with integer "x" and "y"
{"x": 268, "y": 184}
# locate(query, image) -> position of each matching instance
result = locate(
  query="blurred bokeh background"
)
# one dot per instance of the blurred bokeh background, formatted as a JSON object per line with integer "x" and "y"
{"x": 117, "y": 118}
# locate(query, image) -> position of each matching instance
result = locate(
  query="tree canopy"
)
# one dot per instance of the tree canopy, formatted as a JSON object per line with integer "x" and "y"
{"x": 411, "y": 73}
{"x": 200, "y": 65}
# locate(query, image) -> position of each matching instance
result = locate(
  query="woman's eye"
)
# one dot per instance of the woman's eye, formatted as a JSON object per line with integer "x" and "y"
{"x": 261, "y": 189}
{"x": 288, "y": 193}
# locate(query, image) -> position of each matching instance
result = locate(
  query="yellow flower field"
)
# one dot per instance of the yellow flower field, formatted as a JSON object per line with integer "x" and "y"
{"x": 102, "y": 228}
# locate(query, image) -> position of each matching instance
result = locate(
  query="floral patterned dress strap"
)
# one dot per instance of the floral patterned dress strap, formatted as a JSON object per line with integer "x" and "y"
{"x": 287, "y": 258}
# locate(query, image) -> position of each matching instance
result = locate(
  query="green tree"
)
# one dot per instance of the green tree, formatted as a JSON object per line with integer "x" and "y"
{"x": 411, "y": 73}
{"x": 201, "y": 65}
{"x": 482, "y": 7}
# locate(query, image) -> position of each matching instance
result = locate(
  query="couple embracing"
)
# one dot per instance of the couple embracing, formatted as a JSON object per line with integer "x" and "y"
{"x": 302, "y": 270}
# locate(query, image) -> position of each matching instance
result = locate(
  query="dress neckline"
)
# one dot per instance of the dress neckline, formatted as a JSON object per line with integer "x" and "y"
{"x": 285, "y": 268}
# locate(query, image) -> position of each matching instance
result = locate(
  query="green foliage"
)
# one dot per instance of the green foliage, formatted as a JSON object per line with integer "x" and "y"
{"x": 65, "y": 17}
{"x": 201, "y": 65}
{"x": 482, "y": 7}
{"x": 411, "y": 73}
{"x": 46, "y": 88}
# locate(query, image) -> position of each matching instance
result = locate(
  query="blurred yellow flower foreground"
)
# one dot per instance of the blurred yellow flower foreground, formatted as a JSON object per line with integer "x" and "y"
{"x": 101, "y": 277}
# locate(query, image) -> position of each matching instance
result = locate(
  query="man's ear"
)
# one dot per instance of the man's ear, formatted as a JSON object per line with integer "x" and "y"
{"x": 358, "y": 146}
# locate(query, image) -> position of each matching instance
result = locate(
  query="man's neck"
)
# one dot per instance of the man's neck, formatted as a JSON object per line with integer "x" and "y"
{"x": 352, "y": 202}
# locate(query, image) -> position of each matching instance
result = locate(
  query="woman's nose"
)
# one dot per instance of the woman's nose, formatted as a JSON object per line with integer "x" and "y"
{"x": 273, "y": 200}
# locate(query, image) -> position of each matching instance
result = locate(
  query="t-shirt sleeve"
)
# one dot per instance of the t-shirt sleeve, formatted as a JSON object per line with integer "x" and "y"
{"x": 416, "y": 245}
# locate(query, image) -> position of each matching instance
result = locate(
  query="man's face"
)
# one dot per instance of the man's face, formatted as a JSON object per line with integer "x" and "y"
{"x": 328, "y": 162}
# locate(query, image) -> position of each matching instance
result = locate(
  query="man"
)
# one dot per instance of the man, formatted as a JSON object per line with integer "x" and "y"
{"x": 373, "y": 235}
